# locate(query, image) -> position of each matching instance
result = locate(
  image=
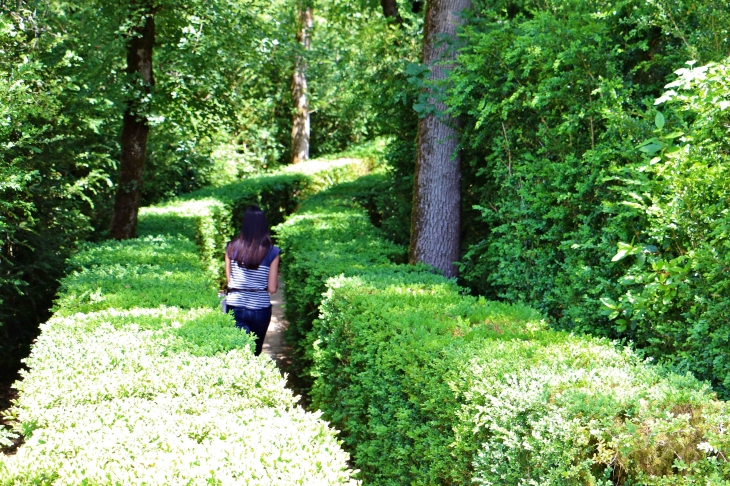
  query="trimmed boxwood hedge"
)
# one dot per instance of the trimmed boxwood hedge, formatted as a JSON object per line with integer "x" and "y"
{"x": 432, "y": 386}
{"x": 138, "y": 378}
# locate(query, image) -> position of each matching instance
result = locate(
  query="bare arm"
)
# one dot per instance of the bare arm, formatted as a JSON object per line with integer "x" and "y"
{"x": 228, "y": 269}
{"x": 274, "y": 275}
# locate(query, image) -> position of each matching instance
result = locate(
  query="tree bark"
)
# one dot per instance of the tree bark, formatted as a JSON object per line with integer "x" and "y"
{"x": 135, "y": 127}
{"x": 300, "y": 129}
{"x": 436, "y": 217}
{"x": 390, "y": 10}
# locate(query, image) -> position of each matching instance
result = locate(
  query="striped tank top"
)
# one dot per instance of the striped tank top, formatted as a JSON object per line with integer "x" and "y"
{"x": 249, "y": 288}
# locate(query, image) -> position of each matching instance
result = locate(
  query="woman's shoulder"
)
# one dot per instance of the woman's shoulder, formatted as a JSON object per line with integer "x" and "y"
{"x": 274, "y": 252}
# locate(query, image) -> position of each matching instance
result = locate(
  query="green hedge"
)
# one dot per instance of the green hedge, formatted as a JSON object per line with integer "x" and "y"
{"x": 139, "y": 378}
{"x": 334, "y": 238}
{"x": 213, "y": 215}
{"x": 430, "y": 386}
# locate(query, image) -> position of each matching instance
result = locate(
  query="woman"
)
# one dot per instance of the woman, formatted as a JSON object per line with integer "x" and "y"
{"x": 252, "y": 269}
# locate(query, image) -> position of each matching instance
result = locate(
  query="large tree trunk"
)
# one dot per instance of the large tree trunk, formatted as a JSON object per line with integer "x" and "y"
{"x": 436, "y": 218}
{"x": 300, "y": 129}
{"x": 390, "y": 10}
{"x": 135, "y": 128}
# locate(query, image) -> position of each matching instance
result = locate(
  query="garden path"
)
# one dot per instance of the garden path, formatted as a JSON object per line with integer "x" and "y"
{"x": 274, "y": 345}
{"x": 278, "y": 350}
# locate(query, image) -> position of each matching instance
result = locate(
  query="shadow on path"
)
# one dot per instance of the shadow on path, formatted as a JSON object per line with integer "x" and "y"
{"x": 277, "y": 349}
{"x": 7, "y": 395}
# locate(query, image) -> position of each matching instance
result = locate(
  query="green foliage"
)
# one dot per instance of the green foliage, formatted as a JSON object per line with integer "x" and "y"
{"x": 345, "y": 242}
{"x": 103, "y": 284}
{"x": 138, "y": 376}
{"x": 356, "y": 73}
{"x": 220, "y": 110}
{"x": 672, "y": 300}
{"x": 216, "y": 213}
{"x": 54, "y": 174}
{"x": 225, "y": 78}
{"x": 389, "y": 202}
{"x": 555, "y": 98}
{"x": 541, "y": 88}
{"x": 374, "y": 59}
{"x": 430, "y": 386}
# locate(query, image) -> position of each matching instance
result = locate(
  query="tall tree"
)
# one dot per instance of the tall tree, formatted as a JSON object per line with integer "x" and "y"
{"x": 390, "y": 10}
{"x": 135, "y": 125}
{"x": 436, "y": 217}
{"x": 300, "y": 130}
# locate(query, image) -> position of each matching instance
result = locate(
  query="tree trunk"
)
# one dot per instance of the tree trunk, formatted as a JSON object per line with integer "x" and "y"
{"x": 390, "y": 10}
{"x": 135, "y": 128}
{"x": 436, "y": 217}
{"x": 300, "y": 128}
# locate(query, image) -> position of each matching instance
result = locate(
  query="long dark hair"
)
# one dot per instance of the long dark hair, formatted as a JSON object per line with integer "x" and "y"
{"x": 254, "y": 242}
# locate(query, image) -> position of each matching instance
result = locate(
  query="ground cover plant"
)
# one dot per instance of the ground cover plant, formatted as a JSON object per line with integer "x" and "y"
{"x": 138, "y": 378}
{"x": 431, "y": 386}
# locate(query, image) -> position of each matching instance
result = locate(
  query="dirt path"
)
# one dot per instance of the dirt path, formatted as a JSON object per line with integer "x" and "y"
{"x": 277, "y": 349}
{"x": 274, "y": 344}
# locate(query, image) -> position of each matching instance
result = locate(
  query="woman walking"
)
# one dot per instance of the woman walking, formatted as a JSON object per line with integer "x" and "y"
{"x": 252, "y": 269}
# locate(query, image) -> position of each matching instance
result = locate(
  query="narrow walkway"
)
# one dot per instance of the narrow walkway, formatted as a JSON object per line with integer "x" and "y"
{"x": 279, "y": 351}
{"x": 274, "y": 345}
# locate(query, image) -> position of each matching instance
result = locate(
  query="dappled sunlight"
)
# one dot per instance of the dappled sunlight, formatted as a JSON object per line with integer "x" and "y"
{"x": 139, "y": 374}
{"x": 320, "y": 165}
{"x": 468, "y": 388}
{"x": 503, "y": 231}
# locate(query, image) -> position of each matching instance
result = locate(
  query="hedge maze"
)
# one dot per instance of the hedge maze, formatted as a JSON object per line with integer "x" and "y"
{"x": 138, "y": 377}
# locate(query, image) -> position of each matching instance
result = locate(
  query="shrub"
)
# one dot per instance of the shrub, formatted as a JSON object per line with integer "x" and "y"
{"x": 430, "y": 386}
{"x": 554, "y": 98}
{"x": 139, "y": 378}
{"x": 327, "y": 236}
{"x": 212, "y": 216}
{"x": 672, "y": 298}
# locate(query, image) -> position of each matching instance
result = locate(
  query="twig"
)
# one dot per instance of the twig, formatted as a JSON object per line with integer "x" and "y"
{"x": 509, "y": 152}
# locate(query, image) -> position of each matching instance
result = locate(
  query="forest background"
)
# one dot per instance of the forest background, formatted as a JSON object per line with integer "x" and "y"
{"x": 592, "y": 137}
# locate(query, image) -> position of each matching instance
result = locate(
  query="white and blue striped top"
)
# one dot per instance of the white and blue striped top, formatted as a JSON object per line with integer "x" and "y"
{"x": 249, "y": 288}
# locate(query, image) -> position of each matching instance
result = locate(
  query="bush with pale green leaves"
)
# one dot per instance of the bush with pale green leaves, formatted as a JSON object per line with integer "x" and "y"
{"x": 138, "y": 378}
